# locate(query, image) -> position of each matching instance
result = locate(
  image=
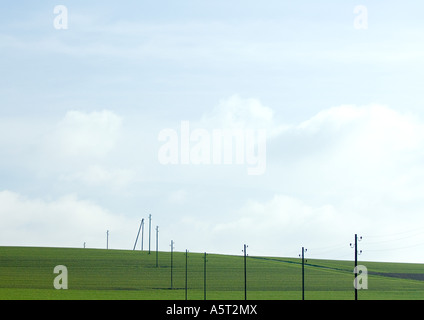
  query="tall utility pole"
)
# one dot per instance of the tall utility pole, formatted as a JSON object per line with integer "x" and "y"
{"x": 157, "y": 245}
{"x": 355, "y": 270}
{"x": 172, "y": 259}
{"x": 303, "y": 272}
{"x": 245, "y": 276}
{"x": 107, "y": 239}
{"x": 142, "y": 233}
{"x": 186, "y": 256}
{"x": 150, "y": 227}
{"x": 204, "y": 278}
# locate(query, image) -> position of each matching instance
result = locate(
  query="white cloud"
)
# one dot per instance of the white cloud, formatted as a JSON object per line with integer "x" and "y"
{"x": 332, "y": 119}
{"x": 283, "y": 224}
{"x": 96, "y": 175}
{"x": 371, "y": 127}
{"x": 178, "y": 197}
{"x": 277, "y": 226}
{"x": 366, "y": 148}
{"x": 280, "y": 212}
{"x": 242, "y": 113}
{"x": 67, "y": 221}
{"x": 88, "y": 134}
{"x": 348, "y": 169}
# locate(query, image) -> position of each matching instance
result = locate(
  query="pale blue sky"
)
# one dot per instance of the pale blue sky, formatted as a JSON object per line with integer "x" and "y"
{"x": 81, "y": 109}
{"x": 185, "y": 53}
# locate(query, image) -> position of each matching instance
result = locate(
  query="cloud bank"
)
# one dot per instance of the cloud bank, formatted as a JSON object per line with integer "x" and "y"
{"x": 66, "y": 221}
{"x": 347, "y": 169}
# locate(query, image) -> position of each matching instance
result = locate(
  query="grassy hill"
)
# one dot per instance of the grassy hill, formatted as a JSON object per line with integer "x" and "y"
{"x": 27, "y": 273}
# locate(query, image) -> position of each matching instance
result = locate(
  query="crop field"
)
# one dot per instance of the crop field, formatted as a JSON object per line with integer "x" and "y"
{"x": 28, "y": 273}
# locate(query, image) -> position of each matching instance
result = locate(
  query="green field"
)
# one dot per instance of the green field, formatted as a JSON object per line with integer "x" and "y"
{"x": 27, "y": 273}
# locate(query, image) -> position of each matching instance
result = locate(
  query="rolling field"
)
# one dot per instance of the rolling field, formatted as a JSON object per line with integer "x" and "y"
{"x": 27, "y": 273}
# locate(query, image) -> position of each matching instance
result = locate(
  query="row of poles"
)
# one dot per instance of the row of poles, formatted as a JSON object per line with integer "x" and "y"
{"x": 142, "y": 236}
{"x": 142, "y": 233}
{"x": 141, "y": 228}
{"x": 302, "y": 255}
{"x": 204, "y": 272}
{"x": 355, "y": 270}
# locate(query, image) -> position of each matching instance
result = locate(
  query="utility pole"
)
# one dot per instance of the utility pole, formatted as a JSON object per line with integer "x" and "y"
{"x": 355, "y": 270}
{"x": 142, "y": 233}
{"x": 204, "y": 277}
{"x": 157, "y": 246}
{"x": 172, "y": 259}
{"x": 245, "y": 276}
{"x": 303, "y": 272}
{"x": 107, "y": 239}
{"x": 186, "y": 256}
{"x": 150, "y": 227}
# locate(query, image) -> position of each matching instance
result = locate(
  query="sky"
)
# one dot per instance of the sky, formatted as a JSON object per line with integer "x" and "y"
{"x": 276, "y": 124}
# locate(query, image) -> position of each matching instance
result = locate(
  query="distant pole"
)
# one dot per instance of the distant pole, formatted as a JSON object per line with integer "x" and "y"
{"x": 107, "y": 239}
{"x": 157, "y": 246}
{"x": 303, "y": 272}
{"x": 356, "y": 265}
{"x": 245, "y": 276}
{"x": 172, "y": 257}
{"x": 150, "y": 227}
{"x": 204, "y": 278}
{"x": 142, "y": 233}
{"x": 186, "y": 274}
{"x": 84, "y": 245}
{"x": 136, "y": 239}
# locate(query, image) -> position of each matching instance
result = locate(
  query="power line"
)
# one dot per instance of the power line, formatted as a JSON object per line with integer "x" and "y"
{"x": 398, "y": 248}
{"x": 394, "y": 236}
{"x": 395, "y": 239}
{"x": 421, "y": 229}
{"x": 326, "y": 250}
